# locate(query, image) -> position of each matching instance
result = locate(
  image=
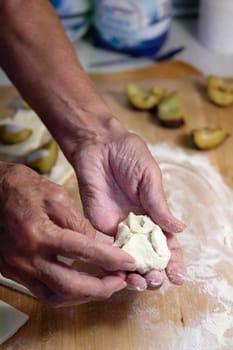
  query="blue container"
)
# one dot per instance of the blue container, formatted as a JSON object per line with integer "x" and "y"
{"x": 76, "y": 16}
{"x": 133, "y": 26}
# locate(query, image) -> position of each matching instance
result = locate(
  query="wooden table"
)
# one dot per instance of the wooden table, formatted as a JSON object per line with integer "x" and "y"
{"x": 130, "y": 320}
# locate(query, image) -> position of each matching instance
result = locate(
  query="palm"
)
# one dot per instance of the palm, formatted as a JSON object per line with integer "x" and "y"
{"x": 120, "y": 177}
{"x": 109, "y": 178}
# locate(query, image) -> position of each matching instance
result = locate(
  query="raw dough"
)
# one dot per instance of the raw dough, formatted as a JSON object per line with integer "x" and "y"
{"x": 11, "y": 320}
{"x": 25, "y": 119}
{"x": 139, "y": 236}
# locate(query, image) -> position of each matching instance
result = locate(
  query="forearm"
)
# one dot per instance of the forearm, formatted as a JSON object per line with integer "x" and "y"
{"x": 40, "y": 61}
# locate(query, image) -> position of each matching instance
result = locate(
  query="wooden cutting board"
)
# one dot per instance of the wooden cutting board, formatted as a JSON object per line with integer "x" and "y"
{"x": 130, "y": 320}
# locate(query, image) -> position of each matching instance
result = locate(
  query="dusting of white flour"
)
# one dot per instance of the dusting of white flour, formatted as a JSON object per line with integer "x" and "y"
{"x": 197, "y": 195}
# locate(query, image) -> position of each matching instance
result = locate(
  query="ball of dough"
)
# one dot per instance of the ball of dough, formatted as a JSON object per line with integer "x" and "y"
{"x": 140, "y": 237}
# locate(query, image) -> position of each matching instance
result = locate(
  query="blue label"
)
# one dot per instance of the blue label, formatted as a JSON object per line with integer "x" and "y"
{"x": 130, "y": 24}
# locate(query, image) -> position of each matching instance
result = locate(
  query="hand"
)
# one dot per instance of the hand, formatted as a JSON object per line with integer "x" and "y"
{"x": 122, "y": 176}
{"x": 38, "y": 222}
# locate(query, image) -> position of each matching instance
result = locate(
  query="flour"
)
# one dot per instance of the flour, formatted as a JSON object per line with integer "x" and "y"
{"x": 197, "y": 195}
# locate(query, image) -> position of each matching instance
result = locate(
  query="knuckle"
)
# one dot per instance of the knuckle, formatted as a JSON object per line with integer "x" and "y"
{"x": 103, "y": 291}
{"x": 30, "y": 239}
{"x": 41, "y": 269}
{"x": 66, "y": 294}
{"x": 60, "y": 194}
{"x": 85, "y": 226}
{"x": 67, "y": 291}
{"x": 36, "y": 262}
{"x": 88, "y": 250}
{"x": 17, "y": 173}
{"x": 134, "y": 138}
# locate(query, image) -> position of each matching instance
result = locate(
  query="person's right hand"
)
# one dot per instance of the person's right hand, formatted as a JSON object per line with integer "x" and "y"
{"x": 121, "y": 176}
{"x": 38, "y": 222}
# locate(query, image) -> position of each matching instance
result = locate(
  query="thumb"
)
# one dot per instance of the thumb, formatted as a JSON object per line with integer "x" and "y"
{"x": 65, "y": 215}
{"x": 153, "y": 201}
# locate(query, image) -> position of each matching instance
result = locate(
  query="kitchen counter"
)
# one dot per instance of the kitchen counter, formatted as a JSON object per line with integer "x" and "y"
{"x": 197, "y": 315}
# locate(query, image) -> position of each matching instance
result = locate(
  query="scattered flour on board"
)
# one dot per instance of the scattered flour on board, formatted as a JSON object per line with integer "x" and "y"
{"x": 197, "y": 195}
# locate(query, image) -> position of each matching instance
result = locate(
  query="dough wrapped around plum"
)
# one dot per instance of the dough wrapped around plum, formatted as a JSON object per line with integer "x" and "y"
{"x": 140, "y": 237}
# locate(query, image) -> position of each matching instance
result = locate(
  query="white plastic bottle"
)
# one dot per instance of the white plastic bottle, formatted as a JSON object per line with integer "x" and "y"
{"x": 134, "y": 26}
{"x": 215, "y": 25}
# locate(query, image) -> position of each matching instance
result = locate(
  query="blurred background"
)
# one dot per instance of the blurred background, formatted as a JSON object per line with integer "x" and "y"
{"x": 111, "y": 36}
{"x": 77, "y": 15}
{"x": 185, "y": 7}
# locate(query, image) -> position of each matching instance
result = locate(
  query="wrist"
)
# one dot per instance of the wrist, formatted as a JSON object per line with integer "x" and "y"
{"x": 87, "y": 127}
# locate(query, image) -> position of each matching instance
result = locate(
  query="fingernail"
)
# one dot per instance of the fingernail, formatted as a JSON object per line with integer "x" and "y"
{"x": 137, "y": 289}
{"x": 154, "y": 283}
{"x": 176, "y": 277}
{"x": 129, "y": 267}
{"x": 141, "y": 289}
{"x": 181, "y": 277}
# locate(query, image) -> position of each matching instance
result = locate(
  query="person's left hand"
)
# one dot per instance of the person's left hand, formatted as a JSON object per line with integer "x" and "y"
{"x": 122, "y": 176}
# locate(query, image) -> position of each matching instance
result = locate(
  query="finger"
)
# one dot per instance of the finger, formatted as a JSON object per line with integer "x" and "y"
{"x": 136, "y": 282}
{"x": 154, "y": 202}
{"x": 37, "y": 288}
{"x": 69, "y": 285}
{"x": 154, "y": 279}
{"x": 76, "y": 246}
{"x": 101, "y": 237}
{"x": 176, "y": 270}
{"x": 58, "y": 301}
{"x": 61, "y": 210}
{"x": 121, "y": 274}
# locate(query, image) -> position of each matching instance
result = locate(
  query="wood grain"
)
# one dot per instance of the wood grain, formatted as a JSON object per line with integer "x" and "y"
{"x": 129, "y": 320}
{"x": 168, "y": 69}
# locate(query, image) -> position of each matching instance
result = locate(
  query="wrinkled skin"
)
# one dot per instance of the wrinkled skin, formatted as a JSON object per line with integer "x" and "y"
{"x": 121, "y": 176}
{"x": 38, "y": 222}
{"x": 37, "y": 219}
